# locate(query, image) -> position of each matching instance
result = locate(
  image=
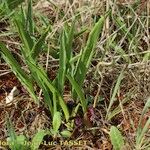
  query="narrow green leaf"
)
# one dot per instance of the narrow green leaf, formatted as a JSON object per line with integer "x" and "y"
{"x": 70, "y": 38}
{"x": 145, "y": 109}
{"x": 116, "y": 138}
{"x": 117, "y": 110}
{"x": 29, "y": 21}
{"x": 88, "y": 52}
{"x": 37, "y": 139}
{"x": 117, "y": 86}
{"x": 74, "y": 59}
{"x": 65, "y": 54}
{"x": 140, "y": 130}
{"x": 80, "y": 32}
{"x": 21, "y": 139}
{"x": 38, "y": 45}
{"x": 56, "y": 121}
{"x": 22, "y": 15}
{"x": 45, "y": 90}
{"x": 79, "y": 92}
{"x": 42, "y": 75}
{"x": 69, "y": 49}
{"x": 66, "y": 133}
{"x": 141, "y": 134}
{"x": 17, "y": 70}
{"x": 55, "y": 102}
{"x": 62, "y": 63}
{"x": 25, "y": 38}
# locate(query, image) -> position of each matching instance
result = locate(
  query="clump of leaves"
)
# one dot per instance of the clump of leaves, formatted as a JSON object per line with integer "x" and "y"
{"x": 71, "y": 68}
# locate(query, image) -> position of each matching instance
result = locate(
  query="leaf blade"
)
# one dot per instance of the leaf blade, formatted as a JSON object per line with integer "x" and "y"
{"x": 116, "y": 138}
